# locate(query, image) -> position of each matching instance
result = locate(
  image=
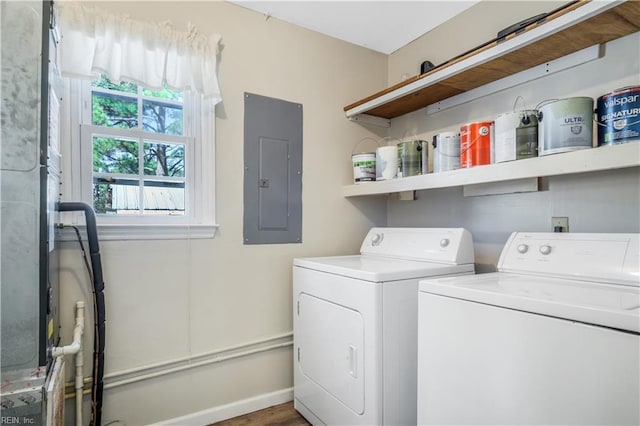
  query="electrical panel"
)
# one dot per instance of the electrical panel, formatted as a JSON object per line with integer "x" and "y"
{"x": 272, "y": 170}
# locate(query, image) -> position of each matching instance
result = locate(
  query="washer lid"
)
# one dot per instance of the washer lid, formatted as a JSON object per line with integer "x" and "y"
{"x": 601, "y": 304}
{"x": 378, "y": 268}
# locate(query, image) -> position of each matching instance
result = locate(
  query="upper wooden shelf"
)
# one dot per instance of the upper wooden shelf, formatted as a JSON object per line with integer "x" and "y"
{"x": 569, "y": 30}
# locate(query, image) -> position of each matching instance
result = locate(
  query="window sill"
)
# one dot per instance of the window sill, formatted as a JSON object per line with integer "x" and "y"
{"x": 147, "y": 232}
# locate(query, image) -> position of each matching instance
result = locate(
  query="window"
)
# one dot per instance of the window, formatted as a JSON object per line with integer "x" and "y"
{"x": 145, "y": 158}
{"x": 139, "y": 151}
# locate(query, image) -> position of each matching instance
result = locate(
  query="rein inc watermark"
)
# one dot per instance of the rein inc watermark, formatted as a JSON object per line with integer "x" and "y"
{"x": 17, "y": 420}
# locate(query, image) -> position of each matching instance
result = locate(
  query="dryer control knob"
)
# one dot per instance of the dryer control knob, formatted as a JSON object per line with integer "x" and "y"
{"x": 444, "y": 242}
{"x": 523, "y": 248}
{"x": 376, "y": 239}
{"x": 545, "y": 249}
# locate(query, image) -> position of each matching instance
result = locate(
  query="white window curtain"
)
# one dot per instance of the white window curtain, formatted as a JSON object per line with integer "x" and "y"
{"x": 151, "y": 54}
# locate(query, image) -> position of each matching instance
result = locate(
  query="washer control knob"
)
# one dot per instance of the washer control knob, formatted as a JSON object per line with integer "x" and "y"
{"x": 523, "y": 248}
{"x": 444, "y": 242}
{"x": 545, "y": 249}
{"x": 376, "y": 239}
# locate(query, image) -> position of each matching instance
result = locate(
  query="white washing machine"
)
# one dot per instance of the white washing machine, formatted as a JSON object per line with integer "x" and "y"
{"x": 551, "y": 338}
{"x": 355, "y": 324}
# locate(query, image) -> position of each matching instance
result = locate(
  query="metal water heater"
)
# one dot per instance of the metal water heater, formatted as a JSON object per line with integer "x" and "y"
{"x": 30, "y": 180}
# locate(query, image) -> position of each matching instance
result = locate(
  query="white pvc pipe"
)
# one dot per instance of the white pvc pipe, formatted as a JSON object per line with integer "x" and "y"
{"x": 75, "y": 348}
{"x": 197, "y": 364}
{"x": 79, "y": 384}
{"x": 191, "y": 358}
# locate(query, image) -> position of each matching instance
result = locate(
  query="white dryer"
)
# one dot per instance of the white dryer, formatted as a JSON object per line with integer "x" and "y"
{"x": 551, "y": 338}
{"x": 355, "y": 324}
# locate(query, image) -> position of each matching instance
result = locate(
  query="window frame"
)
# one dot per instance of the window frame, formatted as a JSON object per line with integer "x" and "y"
{"x": 88, "y": 131}
{"x": 199, "y": 139}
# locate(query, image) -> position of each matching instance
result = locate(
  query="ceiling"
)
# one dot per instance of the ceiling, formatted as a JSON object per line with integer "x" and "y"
{"x": 384, "y": 26}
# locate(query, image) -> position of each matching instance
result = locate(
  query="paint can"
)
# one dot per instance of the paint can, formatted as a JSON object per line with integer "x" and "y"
{"x": 565, "y": 125}
{"x": 446, "y": 151}
{"x": 619, "y": 116}
{"x": 516, "y": 135}
{"x": 386, "y": 162}
{"x": 412, "y": 158}
{"x": 364, "y": 167}
{"x": 364, "y": 163}
{"x": 475, "y": 143}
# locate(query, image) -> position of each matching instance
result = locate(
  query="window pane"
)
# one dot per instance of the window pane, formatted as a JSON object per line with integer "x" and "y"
{"x": 164, "y": 94}
{"x": 111, "y": 155}
{"x": 163, "y": 159}
{"x": 158, "y": 117}
{"x": 164, "y": 198}
{"x": 113, "y": 110}
{"x": 105, "y": 83}
{"x": 116, "y": 196}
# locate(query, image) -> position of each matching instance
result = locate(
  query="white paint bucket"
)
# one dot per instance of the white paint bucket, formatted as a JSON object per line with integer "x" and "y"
{"x": 446, "y": 151}
{"x": 565, "y": 125}
{"x": 364, "y": 163}
{"x": 516, "y": 135}
{"x": 364, "y": 167}
{"x": 386, "y": 162}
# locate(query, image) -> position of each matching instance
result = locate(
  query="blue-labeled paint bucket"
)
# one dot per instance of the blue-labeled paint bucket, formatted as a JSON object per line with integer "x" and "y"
{"x": 619, "y": 116}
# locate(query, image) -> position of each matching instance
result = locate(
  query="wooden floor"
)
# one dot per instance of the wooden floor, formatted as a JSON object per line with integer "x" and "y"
{"x": 283, "y": 414}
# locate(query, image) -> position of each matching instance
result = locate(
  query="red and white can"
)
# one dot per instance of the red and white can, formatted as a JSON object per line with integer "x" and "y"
{"x": 475, "y": 143}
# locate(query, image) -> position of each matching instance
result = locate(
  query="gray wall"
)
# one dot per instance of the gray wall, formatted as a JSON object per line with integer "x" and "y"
{"x": 595, "y": 202}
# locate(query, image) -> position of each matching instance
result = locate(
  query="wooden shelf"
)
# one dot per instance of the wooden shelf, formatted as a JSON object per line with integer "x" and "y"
{"x": 577, "y": 27}
{"x": 587, "y": 160}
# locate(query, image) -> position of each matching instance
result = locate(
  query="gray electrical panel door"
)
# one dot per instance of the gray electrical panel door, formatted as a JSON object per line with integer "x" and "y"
{"x": 273, "y": 170}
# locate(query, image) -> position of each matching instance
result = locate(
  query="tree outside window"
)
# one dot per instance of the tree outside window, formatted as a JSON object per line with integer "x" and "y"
{"x": 137, "y": 171}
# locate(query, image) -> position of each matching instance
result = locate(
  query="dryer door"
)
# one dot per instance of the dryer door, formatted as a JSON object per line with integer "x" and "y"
{"x": 330, "y": 340}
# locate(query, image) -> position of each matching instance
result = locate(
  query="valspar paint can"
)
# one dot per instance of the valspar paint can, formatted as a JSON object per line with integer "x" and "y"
{"x": 412, "y": 158}
{"x": 516, "y": 135}
{"x": 446, "y": 151}
{"x": 475, "y": 143}
{"x": 619, "y": 116}
{"x": 565, "y": 125}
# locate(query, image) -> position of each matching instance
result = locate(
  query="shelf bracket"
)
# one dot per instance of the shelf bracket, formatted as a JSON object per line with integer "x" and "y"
{"x": 407, "y": 195}
{"x": 370, "y": 119}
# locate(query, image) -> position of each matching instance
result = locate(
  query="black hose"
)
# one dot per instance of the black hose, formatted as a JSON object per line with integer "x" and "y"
{"x": 85, "y": 258}
{"x": 98, "y": 305}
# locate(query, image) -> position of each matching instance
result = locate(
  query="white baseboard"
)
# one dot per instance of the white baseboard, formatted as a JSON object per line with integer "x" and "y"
{"x": 228, "y": 411}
